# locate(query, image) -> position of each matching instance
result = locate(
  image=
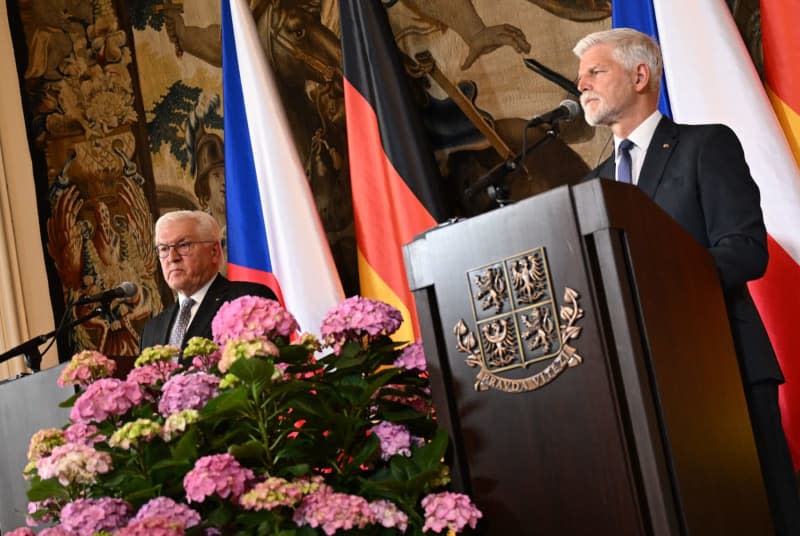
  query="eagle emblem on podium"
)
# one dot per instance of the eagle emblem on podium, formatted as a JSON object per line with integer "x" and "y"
{"x": 519, "y": 336}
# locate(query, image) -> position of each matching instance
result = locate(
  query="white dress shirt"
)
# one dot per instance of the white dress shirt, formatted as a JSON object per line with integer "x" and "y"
{"x": 641, "y": 137}
{"x": 197, "y": 297}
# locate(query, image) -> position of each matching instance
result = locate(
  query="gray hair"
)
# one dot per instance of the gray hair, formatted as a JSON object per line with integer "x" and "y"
{"x": 630, "y": 48}
{"x": 206, "y": 225}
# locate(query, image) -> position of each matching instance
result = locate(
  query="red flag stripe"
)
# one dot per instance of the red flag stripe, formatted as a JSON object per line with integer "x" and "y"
{"x": 274, "y": 230}
{"x": 391, "y": 194}
{"x": 781, "y": 44}
{"x": 381, "y": 198}
{"x": 776, "y": 296}
{"x": 776, "y": 293}
{"x": 243, "y": 273}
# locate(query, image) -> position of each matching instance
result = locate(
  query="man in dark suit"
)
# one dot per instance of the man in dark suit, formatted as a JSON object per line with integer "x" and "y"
{"x": 699, "y": 176}
{"x": 189, "y": 247}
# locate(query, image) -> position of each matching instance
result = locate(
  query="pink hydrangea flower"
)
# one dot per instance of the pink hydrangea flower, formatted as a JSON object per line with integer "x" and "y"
{"x": 86, "y": 367}
{"x": 412, "y": 358}
{"x": 206, "y": 362}
{"x": 252, "y": 316}
{"x": 57, "y": 530}
{"x": 105, "y": 398}
{"x": 388, "y": 515}
{"x": 84, "y": 517}
{"x": 356, "y": 319}
{"x": 187, "y": 391}
{"x": 333, "y": 511}
{"x": 150, "y": 375}
{"x": 83, "y": 434}
{"x": 22, "y": 531}
{"x": 219, "y": 474}
{"x": 40, "y": 512}
{"x": 165, "y": 508}
{"x": 152, "y": 526}
{"x": 394, "y": 438}
{"x": 73, "y": 463}
{"x": 449, "y": 511}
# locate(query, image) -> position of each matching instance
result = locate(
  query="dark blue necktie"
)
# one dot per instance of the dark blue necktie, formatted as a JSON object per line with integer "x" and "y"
{"x": 624, "y": 164}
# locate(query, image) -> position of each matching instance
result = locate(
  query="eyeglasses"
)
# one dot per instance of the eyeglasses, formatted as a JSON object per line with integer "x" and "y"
{"x": 182, "y": 248}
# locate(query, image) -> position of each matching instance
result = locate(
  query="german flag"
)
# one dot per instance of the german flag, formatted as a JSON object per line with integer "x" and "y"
{"x": 393, "y": 175}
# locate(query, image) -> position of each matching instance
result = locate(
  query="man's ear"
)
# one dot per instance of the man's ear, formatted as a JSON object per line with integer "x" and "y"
{"x": 216, "y": 253}
{"x": 641, "y": 76}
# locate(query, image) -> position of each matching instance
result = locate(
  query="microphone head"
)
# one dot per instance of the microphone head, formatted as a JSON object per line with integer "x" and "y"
{"x": 128, "y": 289}
{"x": 573, "y": 109}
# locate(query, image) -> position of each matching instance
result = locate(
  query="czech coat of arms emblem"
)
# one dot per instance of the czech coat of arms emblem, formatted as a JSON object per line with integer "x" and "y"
{"x": 517, "y": 327}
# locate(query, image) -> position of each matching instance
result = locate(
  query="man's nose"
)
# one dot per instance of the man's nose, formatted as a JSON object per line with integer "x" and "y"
{"x": 173, "y": 254}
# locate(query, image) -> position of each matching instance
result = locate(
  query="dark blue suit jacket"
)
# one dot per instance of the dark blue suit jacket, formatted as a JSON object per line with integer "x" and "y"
{"x": 699, "y": 176}
{"x": 157, "y": 329}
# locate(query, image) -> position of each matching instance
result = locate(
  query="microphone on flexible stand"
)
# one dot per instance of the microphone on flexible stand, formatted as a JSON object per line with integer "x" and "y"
{"x": 30, "y": 348}
{"x": 123, "y": 290}
{"x": 566, "y": 111}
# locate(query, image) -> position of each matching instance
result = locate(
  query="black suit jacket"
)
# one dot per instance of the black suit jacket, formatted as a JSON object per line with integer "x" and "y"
{"x": 699, "y": 176}
{"x": 157, "y": 329}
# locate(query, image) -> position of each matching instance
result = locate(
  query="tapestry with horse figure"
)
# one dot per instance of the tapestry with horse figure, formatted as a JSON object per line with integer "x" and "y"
{"x": 465, "y": 68}
{"x": 123, "y": 105}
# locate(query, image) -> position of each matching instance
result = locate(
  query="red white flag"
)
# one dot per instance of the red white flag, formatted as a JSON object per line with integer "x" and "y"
{"x": 711, "y": 79}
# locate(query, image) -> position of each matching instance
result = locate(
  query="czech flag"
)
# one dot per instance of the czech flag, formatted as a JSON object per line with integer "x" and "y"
{"x": 275, "y": 236}
{"x": 710, "y": 78}
{"x": 393, "y": 175}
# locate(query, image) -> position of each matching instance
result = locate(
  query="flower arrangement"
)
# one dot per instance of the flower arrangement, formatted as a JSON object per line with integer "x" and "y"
{"x": 252, "y": 434}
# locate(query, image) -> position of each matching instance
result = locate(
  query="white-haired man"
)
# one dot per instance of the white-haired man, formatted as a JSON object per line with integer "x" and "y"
{"x": 699, "y": 176}
{"x": 189, "y": 246}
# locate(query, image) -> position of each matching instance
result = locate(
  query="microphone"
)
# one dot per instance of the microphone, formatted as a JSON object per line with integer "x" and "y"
{"x": 566, "y": 111}
{"x": 123, "y": 290}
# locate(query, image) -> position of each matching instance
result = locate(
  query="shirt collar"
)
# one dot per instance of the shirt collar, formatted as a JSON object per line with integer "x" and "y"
{"x": 199, "y": 295}
{"x": 643, "y": 134}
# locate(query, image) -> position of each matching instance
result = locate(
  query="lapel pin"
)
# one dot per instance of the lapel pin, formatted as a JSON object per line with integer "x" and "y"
{"x": 665, "y": 146}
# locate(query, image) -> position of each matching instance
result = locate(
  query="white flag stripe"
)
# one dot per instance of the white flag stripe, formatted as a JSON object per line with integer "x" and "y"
{"x": 710, "y": 79}
{"x": 300, "y": 254}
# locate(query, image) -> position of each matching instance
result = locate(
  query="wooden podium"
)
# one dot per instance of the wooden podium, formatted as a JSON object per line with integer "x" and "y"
{"x": 581, "y": 359}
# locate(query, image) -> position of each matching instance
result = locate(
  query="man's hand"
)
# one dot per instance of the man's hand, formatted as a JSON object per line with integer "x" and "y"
{"x": 491, "y": 38}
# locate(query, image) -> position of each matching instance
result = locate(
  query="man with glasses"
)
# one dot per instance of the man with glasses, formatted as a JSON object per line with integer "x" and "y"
{"x": 188, "y": 244}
